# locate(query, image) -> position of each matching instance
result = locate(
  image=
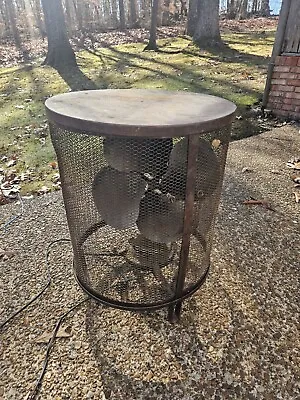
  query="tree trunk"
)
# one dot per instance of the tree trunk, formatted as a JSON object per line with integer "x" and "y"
{"x": 231, "y": 9}
{"x": 146, "y": 13}
{"x": 122, "y": 15}
{"x": 133, "y": 14}
{"x": 207, "y": 31}
{"x": 3, "y": 10}
{"x": 20, "y": 6}
{"x": 159, "y": 13}
{"x": 165, "y": 18}
{"x": 243, "y": 10}
{"x": 11, "y": 13}
{"x": 38, "y": 17}
{"x": 183, "y": 8}
{"x": 114, "y": 13}
{"x": 254, "y": 7}
{"x": 68, "y": 18}
{"x": 79, "y": 14}
{"x": 152, "y": 40}
{"x": 192, "y": 17}
{"x": 265, "y": 8}
{"x": 60, "y": 53}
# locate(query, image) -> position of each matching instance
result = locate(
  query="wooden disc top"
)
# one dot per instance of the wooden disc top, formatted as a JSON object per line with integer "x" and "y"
{"x": 138, "y": 112}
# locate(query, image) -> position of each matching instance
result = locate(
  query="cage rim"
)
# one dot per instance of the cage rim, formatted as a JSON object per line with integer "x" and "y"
{"x": 136, "y": 306}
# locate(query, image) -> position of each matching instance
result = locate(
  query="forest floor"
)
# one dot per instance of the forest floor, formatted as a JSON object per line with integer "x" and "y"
{"x": 236, "y": 71}
{"x": 34, "y": 48}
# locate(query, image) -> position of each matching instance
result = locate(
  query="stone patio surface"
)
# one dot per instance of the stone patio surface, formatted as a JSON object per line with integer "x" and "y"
{"x": 239, "y": 334}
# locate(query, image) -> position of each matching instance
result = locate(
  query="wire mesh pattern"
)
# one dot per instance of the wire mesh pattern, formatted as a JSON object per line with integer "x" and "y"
{"x": 125, "y": 199}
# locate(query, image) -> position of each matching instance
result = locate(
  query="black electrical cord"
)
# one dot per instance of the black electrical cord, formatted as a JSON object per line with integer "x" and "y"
{"x": 45, "y": 287}
{"x": 50, "y": 344}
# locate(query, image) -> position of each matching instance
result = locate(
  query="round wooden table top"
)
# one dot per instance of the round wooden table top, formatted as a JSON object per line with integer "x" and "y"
{"x": 139, "y": 112}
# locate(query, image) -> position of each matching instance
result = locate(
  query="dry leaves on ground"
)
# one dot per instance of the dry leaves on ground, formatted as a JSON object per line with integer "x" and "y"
{"x": 254, "y": 202}
{"x": 297, "y": 197}
{"x": 46, "y": 336}
{"x": 294, "y": 163}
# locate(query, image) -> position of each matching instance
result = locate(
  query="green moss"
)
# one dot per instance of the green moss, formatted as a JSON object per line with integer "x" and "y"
{"x": 236, "y": 72}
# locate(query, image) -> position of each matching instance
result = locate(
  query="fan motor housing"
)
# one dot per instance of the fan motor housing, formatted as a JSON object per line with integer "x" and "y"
{"x": 141, "y": 174}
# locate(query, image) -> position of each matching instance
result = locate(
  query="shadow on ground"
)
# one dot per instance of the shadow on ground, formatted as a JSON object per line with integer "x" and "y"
{"x": 238, "y": 337}
{"x": 76, "y": 79}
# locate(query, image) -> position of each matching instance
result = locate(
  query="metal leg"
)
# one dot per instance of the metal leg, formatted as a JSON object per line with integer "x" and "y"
{"x": 178, "y": 308}
{"x": 174, "y": 312}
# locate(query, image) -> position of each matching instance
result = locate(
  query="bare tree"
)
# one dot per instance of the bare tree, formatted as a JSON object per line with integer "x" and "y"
{"x": 207, "y": 30}
{"x": 152, "y": 45}
{"x": 11, "y": 14}
{"x": 122, "y": 15}
{"x": 254, "y": 9}
{"x": 192, "y": 17}
{"x": 114, "y": 13}
{"x": 133, "y": 14}
{"x": 231, "y": 9}
{"x": 38, "y": 18}
{"x": 265, "y": 8}
{"x": 60, "y": 53}
{"x": 165, "y": 18}
{"x": 242, "y": 10}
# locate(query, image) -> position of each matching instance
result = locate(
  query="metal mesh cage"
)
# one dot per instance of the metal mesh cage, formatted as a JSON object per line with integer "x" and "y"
{"x": 125, "y": 202}
{"x": 140, "y": 211}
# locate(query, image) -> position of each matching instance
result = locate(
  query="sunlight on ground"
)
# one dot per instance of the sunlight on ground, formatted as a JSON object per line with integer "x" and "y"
{"x": 236, "y": 72}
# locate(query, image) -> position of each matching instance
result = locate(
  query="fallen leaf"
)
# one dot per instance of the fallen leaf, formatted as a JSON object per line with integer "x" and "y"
{"x": 46, "y": 336}
{"x": 296, "y": 179}
{"x": 57, "y": 186}
{"x": 77, "y": 345}
{"x": 27, "y": 396}
{"x": 23, "y": 177}
{"x": 297, "y": 197}
{"x": 55, "y": 178}
{"x": 216, "y": 143}
{"x": 11, "y": 163}
{"x": 53, "y": 164}
{"x": 294, "y": 163}
{"x": 5, "y": 254}
{"x": 43, "y": 190}
{"x": 246, "y": 169}
{"x": 10, "y": 191}
{"x": 254, "y": 202}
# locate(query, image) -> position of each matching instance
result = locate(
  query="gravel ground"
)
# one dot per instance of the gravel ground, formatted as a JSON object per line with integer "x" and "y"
{"x": 238, "y": 337}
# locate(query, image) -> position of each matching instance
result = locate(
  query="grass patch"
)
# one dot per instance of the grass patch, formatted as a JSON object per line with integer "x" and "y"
{"x": 236, "y": 72}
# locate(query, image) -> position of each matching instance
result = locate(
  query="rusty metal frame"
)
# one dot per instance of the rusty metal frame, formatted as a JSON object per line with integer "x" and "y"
{"x": 179, "y": 295}
{"x": 178, "y": 289}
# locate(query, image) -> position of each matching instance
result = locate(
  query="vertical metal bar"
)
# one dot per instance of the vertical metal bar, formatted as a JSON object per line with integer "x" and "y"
{"x": 192, "y": 153}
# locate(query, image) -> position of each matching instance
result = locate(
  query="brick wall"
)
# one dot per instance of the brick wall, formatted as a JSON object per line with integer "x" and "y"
{"x": 284, "y": 97}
